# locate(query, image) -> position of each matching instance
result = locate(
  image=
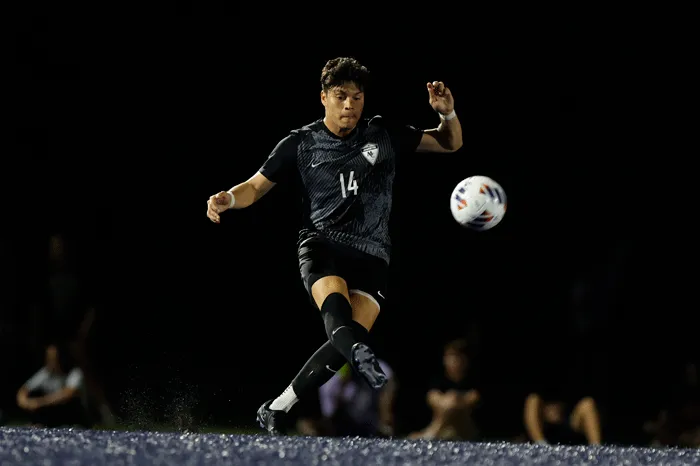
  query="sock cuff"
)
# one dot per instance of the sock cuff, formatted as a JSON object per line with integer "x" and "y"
{"x": 360, "y": 332}
{"x": 336, "y": 302}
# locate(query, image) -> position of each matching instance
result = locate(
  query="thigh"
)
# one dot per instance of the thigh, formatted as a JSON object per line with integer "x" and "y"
{"x": 317, "y": 259}
{"x": 366, "y": 279}
{"x": 366, "y": 276}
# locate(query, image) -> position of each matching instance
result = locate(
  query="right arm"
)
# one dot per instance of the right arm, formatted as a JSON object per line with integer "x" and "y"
{"x": 534, "y": 424}
{"x": 250, "y": 191}
{"x": 279, "y": 165}
{"x": 434, "y": 398}
{"x": 22, "y": 396}
{"x": 34, "y": 382}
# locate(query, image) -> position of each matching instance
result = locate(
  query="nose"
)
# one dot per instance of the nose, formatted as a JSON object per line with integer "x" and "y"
{"x": 348, "y": 103}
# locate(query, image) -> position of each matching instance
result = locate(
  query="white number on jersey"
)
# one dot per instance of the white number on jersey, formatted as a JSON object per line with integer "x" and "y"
{"x": 352, "y": 184}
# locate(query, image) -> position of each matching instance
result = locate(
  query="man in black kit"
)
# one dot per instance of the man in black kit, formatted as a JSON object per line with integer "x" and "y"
{"x": 345, "y": 166}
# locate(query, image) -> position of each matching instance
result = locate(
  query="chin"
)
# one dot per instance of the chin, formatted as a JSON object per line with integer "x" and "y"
{"x": 347, "y": 124}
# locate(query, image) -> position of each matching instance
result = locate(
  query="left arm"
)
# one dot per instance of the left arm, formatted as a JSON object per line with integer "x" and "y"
{"x": 56, "y": 398}
{"x": 470, "y": 398}
{"x": 447, "y": 137}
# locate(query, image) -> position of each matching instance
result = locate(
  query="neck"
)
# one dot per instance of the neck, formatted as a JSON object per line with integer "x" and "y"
{"x": 335, "y": 129}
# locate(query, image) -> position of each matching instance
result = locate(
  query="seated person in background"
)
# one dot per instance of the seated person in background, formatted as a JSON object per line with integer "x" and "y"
{"x": 452, "y": 398}
{"x": 678, "y": 424}
{"x": 54, "y": 396}
{"x": 549, "y": 420}
{"x": 350, "y": 407}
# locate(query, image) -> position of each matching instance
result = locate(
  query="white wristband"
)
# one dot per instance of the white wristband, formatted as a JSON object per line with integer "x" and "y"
{"x": 233, "y": 199}
{"x": 449, "y": 116}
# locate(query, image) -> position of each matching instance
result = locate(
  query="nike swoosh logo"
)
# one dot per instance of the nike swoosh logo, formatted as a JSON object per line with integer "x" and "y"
{"x": 380, "y": 294}
{"x": 314, "y": 165}
{"x": 327, "y": 367}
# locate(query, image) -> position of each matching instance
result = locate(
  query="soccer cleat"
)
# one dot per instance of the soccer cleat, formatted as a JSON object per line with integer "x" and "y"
{"x": 366, "y": 364}
{"x": 271, "y": 420}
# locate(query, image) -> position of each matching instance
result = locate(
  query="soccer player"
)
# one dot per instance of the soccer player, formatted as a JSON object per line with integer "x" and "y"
{"x": 344, "y": 165}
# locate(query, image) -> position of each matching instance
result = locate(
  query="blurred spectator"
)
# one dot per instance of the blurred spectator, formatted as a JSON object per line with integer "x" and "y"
{"x": 551, "y": 420}
{"x": 70, "y": 319}
{"x": 55, "y": 395}
{"x": 350, "y": 407}
{"x": 678, "y": 424}
{"x": 452, "y": 397}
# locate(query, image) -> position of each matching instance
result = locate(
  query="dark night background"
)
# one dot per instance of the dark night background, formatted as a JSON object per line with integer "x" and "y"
{"x": 124, "y": 129}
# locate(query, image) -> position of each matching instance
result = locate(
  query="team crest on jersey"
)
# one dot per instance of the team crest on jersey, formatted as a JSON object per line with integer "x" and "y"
{"x": 370, "y": 151}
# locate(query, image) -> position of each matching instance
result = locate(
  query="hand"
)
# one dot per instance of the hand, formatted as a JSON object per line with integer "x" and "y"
{"x": 440, "y": 98}
{"x": 217, "y": 204}
{"x": 471, "y": 398}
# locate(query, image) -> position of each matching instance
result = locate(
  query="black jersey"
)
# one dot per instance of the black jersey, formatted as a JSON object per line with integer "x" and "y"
{"x": 346, "y": 182}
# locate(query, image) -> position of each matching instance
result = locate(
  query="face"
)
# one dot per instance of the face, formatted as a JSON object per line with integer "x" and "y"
{"x": 56, "y": 248}
{"x": 455, "y": 362}
{"x": 344, "y": 105}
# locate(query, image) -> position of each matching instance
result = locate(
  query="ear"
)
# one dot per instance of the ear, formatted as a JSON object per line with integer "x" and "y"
{"x": 323, "y": 98}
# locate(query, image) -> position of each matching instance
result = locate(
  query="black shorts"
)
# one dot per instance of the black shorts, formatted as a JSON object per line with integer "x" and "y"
{"x": 364, "y": 274}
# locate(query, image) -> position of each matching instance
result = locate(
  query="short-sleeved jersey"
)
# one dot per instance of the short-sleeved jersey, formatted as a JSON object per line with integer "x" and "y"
{"x": 346, "y": 182}
{"x": 50, "y": 382}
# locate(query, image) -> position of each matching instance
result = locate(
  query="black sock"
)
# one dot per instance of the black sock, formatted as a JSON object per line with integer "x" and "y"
{"x": 322, "y": 365}
{"x": 340, "y": 328}
{"x": 318, "y": 370}
{"x": 361, "y": 333}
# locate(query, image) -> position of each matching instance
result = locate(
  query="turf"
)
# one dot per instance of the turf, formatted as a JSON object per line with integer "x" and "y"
{"x": 47, "y": 447}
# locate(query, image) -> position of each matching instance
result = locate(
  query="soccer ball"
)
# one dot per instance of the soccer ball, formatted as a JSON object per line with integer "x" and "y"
{"x": 478, "y": 203}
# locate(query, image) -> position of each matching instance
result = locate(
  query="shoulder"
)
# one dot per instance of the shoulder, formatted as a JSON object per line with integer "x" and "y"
{"x": 306, "y": 130}
{"x": 379, "y": 125}
{"x": 394, "y": 128}
{"x": 379, "y": 121}
{"x": 290, "y": 143}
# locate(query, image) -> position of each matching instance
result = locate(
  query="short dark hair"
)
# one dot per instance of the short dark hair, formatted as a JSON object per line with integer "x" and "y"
{"x": 343, "y": 70}
{"x": 459, "y": 345}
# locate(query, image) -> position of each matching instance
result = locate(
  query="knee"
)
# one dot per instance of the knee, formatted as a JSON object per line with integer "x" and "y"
{"x": 451, "y": 402}
{"x": 365, "y": 309}
{"x": 325, "y": 286}
{"x": 587, "y": 405}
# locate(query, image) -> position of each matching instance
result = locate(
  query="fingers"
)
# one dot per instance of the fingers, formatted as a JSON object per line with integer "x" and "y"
{"x": 213, "y": 211}
{"x": 437, "y": 88}
{"x": 216, "y": 205}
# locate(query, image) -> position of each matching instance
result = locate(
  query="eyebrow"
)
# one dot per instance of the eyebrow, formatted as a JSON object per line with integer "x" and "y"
{"x": 343, "y": 91}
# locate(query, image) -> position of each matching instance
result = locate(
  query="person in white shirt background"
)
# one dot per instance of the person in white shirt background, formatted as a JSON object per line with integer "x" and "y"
{"x": 55, "y": 395}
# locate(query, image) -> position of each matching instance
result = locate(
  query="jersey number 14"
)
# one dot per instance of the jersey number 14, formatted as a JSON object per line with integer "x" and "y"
{"x": 352, "y": 184}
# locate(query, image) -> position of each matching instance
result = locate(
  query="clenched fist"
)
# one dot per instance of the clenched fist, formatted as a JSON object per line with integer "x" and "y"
{"x": 217, "y": 204}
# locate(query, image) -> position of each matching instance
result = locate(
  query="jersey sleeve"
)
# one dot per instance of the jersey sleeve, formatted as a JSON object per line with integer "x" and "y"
{"x": 404, "y": 138}
{"x": 37, "y": 380}
{"x": 75, "y": 378}
{"x": 281, "y": 163}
